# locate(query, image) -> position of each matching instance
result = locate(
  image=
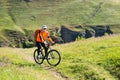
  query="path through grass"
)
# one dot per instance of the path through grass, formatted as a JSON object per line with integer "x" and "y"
{"x": 90, "y": 59}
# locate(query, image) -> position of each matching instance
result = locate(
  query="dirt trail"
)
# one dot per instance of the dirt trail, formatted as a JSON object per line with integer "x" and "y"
{"x": 50, "y": 69}
{"x": 55, "y": 73}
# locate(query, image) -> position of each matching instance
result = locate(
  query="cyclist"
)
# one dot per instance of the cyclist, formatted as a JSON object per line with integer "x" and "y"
{"x": 41, "y": 35}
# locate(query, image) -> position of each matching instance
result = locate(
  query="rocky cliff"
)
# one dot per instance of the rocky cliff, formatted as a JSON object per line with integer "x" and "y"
{"x": 89, "y": 31}
{"x": 13, "y": 38}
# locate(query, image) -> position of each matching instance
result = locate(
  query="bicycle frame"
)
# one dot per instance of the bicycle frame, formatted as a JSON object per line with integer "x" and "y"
{"x": 53, "y": 56}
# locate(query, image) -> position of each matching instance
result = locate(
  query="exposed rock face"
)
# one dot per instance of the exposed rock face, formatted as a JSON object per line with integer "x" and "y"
{"x": 28, "y": 0}
{"x": 13, "y": 38}
{"x": 91, "y": 31}
{"x": 17, "y": 39}
{"x": 69, "y": 35}
{"x": 101, "y": 30}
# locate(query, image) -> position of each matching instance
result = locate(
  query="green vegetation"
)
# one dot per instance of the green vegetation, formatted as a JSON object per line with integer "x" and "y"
{"x": 90, "y": 59}
{"x": 18, "y": 13}
{"x": 16, "y": 64}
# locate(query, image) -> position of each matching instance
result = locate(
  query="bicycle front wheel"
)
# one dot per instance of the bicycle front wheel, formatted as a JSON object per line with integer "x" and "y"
{"x": 54, "y": 57}
{"x": 38, "y": 58}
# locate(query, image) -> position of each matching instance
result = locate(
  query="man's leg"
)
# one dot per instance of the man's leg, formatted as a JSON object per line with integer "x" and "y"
{"x": 45, "y": 48}
{"x": 39, "y": 47}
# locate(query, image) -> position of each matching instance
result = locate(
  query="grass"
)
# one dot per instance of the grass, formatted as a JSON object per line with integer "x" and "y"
{"x": 90, "y": 59}
{"x": 19, "y": 15}
{"x": 15, "y": 65}
{"x": 57, "y": 13}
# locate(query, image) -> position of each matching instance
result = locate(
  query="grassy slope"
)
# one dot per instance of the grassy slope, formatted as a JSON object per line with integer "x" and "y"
{"x": 15, "y": 64}
{"x": 58, "y": 12}
{"x": 91, "y": 59}
{"x": 18, "y": 14}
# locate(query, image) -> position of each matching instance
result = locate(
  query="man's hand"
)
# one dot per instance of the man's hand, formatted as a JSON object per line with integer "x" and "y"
{"x": 53, "y": 43}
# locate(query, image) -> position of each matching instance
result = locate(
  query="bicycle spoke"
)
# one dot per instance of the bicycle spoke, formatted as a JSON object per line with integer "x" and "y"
{"x": 53, "y": 57}
{"x": 38, "y": 58}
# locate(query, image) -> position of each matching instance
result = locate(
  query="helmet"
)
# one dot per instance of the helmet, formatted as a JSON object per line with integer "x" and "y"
{"x": 44, "y": 27}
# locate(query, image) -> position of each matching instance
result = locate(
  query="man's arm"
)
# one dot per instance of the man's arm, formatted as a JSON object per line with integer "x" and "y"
{"x": 50, "y": 39}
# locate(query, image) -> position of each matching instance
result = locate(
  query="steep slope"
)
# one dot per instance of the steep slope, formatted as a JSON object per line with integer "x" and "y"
{"x": 21, "y": 15}
{"x": 58, "y": 12}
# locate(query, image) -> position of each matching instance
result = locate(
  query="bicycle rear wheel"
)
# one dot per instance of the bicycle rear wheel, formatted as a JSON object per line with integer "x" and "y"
{"x": 40, "y": 59}
{"x": 54, "y": 57}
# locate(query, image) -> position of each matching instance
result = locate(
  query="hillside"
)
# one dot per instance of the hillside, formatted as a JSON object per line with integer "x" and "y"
{"x": 19, "y": 18}
{"x": 32, "y": 13}
{"x": 91, "y": 59}
{"x": 85, "y": 59}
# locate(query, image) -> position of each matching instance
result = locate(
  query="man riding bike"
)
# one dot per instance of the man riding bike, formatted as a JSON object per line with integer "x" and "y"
{"x": 41, "y": 35}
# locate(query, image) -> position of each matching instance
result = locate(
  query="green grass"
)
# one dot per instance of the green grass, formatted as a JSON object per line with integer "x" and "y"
{"x": 18, "y": 14}
{"x": 90, "y": 59}
{"x": 57, "y": 13}
{"x": 15, "y": 64}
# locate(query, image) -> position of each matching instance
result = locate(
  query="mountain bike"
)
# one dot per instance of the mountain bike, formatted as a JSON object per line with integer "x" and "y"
{"x": 53, "y": 56}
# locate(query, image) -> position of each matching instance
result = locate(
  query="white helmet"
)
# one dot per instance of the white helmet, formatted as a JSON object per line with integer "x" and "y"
{"x": 44, "y": 27}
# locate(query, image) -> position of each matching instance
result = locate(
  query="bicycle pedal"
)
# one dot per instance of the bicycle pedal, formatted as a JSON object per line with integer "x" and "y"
{"x": 39, "y": 57}
{"x": 47, "y": 58}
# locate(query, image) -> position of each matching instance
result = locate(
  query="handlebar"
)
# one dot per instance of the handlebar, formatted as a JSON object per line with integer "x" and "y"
{"x": 53, "y": 44}
{"x": 49, "y": 44}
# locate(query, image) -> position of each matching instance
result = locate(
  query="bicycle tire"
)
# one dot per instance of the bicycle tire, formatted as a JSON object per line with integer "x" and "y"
{"x": 38, "y": 60}
{"x": 56, "y": 55}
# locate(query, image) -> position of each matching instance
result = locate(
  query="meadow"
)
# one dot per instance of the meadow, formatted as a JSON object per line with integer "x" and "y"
{"x": 86, "y": 59}
{"x": 19, "y": 14}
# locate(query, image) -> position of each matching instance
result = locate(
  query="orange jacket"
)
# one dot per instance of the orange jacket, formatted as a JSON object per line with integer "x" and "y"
{"x": 42, "y": 35}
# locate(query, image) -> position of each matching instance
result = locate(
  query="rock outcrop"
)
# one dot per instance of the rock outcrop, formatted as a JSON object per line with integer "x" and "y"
{"x": 68, "y": 35}
{"x": 101, "y": 30}
{"x": 90, "y": 31}
{"x": 13, "y": 38}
